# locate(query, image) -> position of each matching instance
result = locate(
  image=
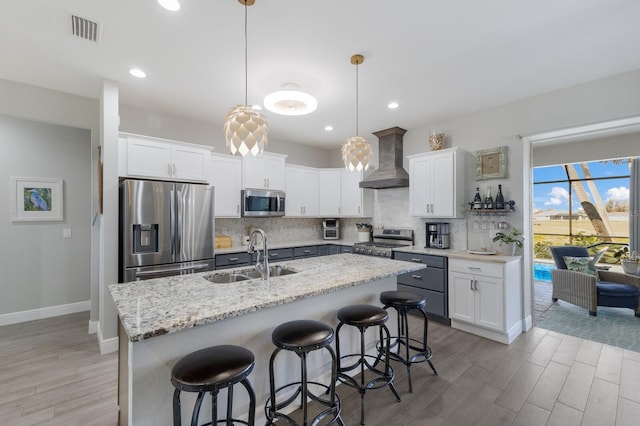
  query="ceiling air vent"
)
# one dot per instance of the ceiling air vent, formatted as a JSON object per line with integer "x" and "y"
{"x": 84, "y": 28}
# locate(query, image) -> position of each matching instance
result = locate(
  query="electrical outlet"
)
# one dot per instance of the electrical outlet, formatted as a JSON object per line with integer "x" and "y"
{"x": 66, "y": 232}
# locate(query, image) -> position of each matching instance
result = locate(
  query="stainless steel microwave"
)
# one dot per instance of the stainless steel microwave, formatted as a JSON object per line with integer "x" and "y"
{"x": 262, "y": 203}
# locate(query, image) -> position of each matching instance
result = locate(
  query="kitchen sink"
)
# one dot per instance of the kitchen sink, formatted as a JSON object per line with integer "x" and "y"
{"x": 247, "y": 274}
{"x": 226, "y": 278}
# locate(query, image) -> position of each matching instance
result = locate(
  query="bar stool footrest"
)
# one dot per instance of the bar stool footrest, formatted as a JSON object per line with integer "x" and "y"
{"x": 271, "y": 416}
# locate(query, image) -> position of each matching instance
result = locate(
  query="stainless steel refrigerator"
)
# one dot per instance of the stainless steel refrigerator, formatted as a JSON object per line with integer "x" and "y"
{"x": 166, "y": 228}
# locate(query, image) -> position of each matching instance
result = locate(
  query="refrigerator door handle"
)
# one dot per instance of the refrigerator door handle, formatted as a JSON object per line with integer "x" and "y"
{"x": 184, "y": 268}
{"x": 172, "y": 223}
{"x": 179, "y": 223}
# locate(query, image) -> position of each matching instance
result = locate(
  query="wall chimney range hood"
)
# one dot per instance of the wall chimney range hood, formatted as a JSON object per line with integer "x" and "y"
{"x": 390, "y": 173}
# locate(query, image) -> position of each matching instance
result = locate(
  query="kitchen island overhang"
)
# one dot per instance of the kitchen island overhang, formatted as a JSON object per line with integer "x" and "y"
{"x": 161, "y": 320}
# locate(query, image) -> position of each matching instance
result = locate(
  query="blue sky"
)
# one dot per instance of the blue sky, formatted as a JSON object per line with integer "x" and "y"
{"x": 556, "y": 195}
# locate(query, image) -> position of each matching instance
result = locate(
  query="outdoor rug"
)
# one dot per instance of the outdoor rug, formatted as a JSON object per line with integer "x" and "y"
{"x": 613, "y": 326}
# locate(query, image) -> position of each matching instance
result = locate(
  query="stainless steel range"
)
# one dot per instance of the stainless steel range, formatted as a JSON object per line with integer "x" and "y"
{"x": 384, "y": 241}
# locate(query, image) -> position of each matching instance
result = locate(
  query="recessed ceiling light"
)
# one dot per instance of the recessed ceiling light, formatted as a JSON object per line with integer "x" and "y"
{"x": 171, "y": 5}
{"x": 393, "y": 105}
{"x": 137, "y": 72}
{"x": 328, "y": 128}
{"x": 290, "y": 101}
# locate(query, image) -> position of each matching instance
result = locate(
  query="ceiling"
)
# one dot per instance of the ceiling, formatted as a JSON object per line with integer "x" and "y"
{"x": 437, "y": 59}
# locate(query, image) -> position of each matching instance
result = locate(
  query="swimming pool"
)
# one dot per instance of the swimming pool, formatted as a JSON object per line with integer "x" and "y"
{"x": 542, "y": 271}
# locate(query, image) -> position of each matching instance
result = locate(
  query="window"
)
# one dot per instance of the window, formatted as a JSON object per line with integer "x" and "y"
{"x": 581, "y": 204}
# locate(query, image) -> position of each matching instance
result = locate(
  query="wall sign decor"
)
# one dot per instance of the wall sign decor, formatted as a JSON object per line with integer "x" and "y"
{"x": 491, "y": 163}
{"x": 36, "y": 199}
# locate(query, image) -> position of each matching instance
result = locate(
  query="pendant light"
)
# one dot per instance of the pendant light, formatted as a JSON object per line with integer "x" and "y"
{"x": 245, "y": 129}
{"x": 356, "y": 152}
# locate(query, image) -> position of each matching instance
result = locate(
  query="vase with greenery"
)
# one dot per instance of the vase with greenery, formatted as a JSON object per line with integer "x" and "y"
{"x": 509, "y": 241}
{"x": 630, "y": 261}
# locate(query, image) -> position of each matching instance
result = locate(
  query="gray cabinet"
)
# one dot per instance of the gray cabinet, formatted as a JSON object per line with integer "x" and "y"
{"x": 431, "y": 283}
{"x": 306, "y": 251}
{"x": 232, "y": 260}
{"x": 276, "y": 255}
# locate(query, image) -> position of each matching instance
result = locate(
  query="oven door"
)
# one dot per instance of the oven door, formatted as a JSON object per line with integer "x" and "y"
{"x": 262, "y": 203}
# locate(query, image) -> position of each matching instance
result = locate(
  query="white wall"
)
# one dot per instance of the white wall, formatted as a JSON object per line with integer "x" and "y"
{"x": 50, "y": 106}
{"x": 39, "y": 268}
{"x": 588, "y": 150}
{"x": 165, "y": 126}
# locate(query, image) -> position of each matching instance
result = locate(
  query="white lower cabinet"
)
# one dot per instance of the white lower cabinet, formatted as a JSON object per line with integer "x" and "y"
{"x": 485, "y": 297}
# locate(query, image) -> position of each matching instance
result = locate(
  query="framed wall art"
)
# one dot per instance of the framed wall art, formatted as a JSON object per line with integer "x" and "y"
{"x": 36, "y": 199}
{"x": 491, "y": 163}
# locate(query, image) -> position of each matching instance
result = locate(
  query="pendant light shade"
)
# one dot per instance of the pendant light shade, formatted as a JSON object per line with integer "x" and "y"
{"x": 356, "y": 152}
{"x": 245, "y": 129}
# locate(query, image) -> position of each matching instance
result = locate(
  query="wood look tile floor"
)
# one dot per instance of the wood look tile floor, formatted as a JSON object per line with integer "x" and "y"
{"x": 51, "y": 373}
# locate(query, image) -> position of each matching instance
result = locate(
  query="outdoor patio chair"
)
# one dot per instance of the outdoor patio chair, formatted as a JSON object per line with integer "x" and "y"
{"x": 603, "y": 288}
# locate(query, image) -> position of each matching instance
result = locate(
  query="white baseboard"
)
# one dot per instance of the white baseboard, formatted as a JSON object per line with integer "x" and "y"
{"x": 93, "y": 327}
{"x": 107, "y": 345}
{"x": 528, "y": 323}
{"x": 41, "y": 313}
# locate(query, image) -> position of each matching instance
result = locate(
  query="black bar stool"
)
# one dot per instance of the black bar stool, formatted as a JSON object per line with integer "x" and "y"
{"x": 211, "y": 370}
{"x": 363, "y": 317}
{"x": 302, "y": 337}
{"x": 415, "y": 350}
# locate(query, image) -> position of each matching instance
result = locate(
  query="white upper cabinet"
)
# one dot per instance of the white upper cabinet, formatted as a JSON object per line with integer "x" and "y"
{"x": 354, "y": 201}
{"x": 329, "y": 193}
{"x": 266, "y": 171}
{"x": 226, "y": 177}
{"x": 302, "y": 187}
{"x": 163, "y": 159}
{"x": 436, "y": 183}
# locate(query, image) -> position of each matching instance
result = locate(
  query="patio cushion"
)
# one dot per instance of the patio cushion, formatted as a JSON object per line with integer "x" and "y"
{"x": 581, "y": 264}
{"x": 617, "y": 295}
{"x": 558, "y": 252}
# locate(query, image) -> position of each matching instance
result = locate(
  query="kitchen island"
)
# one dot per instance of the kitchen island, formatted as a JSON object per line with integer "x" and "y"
{"x": 163, "y": 319}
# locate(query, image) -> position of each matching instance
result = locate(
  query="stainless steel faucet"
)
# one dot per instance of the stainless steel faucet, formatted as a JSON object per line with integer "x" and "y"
{"x": 264, "y": 268}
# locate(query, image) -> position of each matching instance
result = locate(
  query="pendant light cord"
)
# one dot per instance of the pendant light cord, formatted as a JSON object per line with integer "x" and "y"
{"x": 245, "y": 56}
{"x": 357, "y": 98}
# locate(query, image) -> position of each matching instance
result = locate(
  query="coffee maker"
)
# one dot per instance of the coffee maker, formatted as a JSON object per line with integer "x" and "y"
{"x": 437, "y": 235}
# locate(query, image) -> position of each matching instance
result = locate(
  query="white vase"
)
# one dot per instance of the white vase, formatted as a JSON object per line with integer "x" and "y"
{"x": 364, "y": 236}
{"x": 508, "y": 249}
{"x": 630, "y": 267}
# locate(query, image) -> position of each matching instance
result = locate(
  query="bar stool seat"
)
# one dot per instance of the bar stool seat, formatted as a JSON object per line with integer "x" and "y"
{"x": 210, "y": 370}
{"x": 363, "y": 317}
{"x": 415, "y": 350}
{"x": 303, "y": 337}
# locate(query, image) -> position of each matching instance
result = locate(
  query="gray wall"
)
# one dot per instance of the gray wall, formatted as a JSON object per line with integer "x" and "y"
{"x": 39, "y": 268}
{"x": 50, "y": 106}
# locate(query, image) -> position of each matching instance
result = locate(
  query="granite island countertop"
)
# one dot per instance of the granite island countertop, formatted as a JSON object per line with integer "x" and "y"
{"x": 168, "y": 305}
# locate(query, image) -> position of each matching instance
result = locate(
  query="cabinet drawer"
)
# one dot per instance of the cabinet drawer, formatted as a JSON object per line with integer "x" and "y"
{"x": 435, "y": 301}
{"x": 232, "y": 259}
{"x": 429, "y": 260}
{"x": 305, "y": 251}
{"x": 345, "y": 249}
{"x": 488, "y": 269}
{"x": 275, "y": 255}
{"x": 430, "y": 279}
